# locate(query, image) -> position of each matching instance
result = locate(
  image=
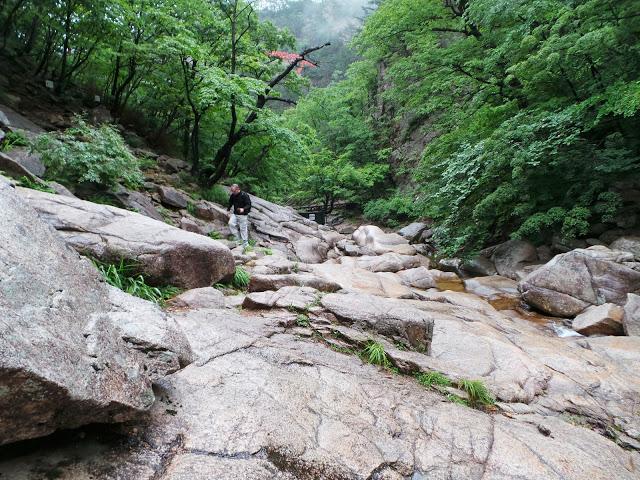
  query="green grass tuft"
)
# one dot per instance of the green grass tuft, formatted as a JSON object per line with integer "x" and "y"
{"x": 478, "y": 393}
{"x": 374, "y": 353}
{"x": 122, "y": 275}
{"x": 191, "y": 208}
{"x": 434, "y": 378}
{"x": 215, "y": 235}
{"x": 267, "y": 251}
{"x": 241, "y": 278}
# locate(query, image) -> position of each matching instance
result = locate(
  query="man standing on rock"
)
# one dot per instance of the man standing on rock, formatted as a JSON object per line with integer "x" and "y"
{"x": 241, "y": 203}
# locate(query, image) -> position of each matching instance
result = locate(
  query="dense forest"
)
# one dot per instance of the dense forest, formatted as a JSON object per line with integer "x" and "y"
{"x": 495, "y": 119}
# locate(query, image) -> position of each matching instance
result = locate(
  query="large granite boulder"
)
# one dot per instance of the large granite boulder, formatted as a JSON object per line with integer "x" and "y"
{"x": 571, "y": 282}
{"x": 413, "y": 231}
{"x": 380, "y": 242}
{"x": 72, "y": 350}
{"x": 172, "y": 197}
{"x": 137, "y": 202}
{"x": 501, "y": 292}
{"x": 29, "y": 160}
{"x": 165, "y": 254}
{"x": 511, "y": 257}
{"x": 211, "y": 211}
{"x": 605, "y": 319}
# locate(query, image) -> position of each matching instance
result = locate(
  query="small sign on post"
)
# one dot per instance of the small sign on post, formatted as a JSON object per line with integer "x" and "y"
{"x": 96, "y": 99}
{"x": 48, "y": 84}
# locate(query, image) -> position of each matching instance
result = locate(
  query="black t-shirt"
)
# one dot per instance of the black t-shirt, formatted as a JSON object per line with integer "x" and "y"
{"x": 240, "y": 200}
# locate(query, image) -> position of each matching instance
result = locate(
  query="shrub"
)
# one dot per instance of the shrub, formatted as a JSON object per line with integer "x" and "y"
{"x": 84, "y": 153}
{"x": 241, "y": 278}
{"x": 391, "y": 211}
{"x": 216, "y": 194}
{"x": 122, "y": 275}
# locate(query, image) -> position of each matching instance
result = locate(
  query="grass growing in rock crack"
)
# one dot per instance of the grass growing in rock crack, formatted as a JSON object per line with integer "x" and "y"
{"x": 191, "y": 209}
{"x": 122, "y": 275}
{"x": 28, "y": 183}
{"x": 374, "y": 353}
{"x": 267, "y": 251}
{"x": 241, "y": 278}
{"x": 478, "y": 393}
{"x": 215, "y": 235}
{"x": 431, "y": 379}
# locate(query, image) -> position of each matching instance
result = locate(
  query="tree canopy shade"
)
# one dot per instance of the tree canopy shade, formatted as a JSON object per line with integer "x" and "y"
{"x": 526, "y": 113}
{"x": 535, "y": 103}
{"x": 199, "y": 70}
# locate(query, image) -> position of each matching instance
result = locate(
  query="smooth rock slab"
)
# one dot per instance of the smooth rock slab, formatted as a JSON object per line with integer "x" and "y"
{"x": 289, "y": 408}
{"x": 165, "y": 254}
{"x": 425, "y": 278}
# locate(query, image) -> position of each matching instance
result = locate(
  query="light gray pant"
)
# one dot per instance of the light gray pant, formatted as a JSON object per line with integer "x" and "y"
{"x": 241, "y": 221}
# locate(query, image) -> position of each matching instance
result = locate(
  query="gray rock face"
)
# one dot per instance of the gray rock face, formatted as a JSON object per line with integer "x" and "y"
{"x": 413, "y": 231}
{"x": 31, "y": 161}
{"x": 384, "y": 284}
{"x": 387, "y": 317}
{"x": 167, "y": 255}
{"x": 605, "y": 319}
{"x": 512, "y": 256}
{"x": 631, "y": 321}
{"x": 172, "y": 198}
{"x": 629, "y": 244}
{"x": 210, "y": 211}
{"x": 300, "y": 298}
{"x": 63, "y": 360}
{"x": 14, "y": 167}
{"x": 205, "y": 297}
{"x": 571, "y": 282}
{"x": 138, "y": 202}
{"x": 262, "y": 283}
